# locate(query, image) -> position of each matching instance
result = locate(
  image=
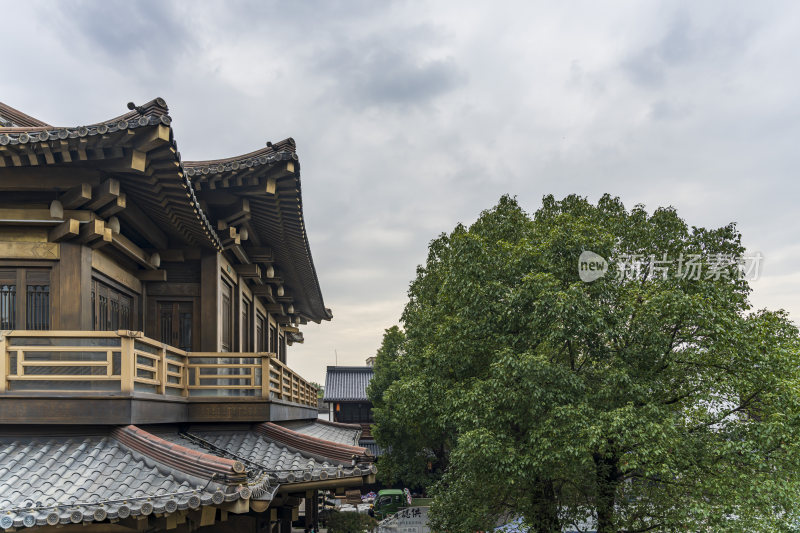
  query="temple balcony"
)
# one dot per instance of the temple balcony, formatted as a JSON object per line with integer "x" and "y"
{"x": 123, "y": 377}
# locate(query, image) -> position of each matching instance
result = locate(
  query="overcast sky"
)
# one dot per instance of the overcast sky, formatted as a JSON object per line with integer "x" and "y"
{"x": 411, "y": 117}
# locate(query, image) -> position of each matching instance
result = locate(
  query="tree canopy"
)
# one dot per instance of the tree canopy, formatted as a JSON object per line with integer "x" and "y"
{"x": 650, "y": 397}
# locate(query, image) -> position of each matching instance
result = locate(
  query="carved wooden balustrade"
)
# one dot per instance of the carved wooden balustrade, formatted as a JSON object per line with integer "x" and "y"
{"x": 119, "y": 362}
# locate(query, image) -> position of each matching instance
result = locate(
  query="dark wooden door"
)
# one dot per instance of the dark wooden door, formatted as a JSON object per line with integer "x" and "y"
{"x": 175, "y": 324}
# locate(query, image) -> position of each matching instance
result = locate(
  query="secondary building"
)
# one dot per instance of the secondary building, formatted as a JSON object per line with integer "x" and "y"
{"x": 346, "y": 394}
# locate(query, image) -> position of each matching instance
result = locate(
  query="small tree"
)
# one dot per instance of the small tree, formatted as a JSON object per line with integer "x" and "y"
{"x": 339, "y": 522}
{"x": 644, "y": 400}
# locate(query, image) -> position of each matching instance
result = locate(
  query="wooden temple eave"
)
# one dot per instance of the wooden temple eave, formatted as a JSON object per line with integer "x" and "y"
{"x": 139, "y": 152}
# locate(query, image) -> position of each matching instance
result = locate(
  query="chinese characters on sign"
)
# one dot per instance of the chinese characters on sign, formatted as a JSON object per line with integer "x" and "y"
{"x": 592, "y": 266}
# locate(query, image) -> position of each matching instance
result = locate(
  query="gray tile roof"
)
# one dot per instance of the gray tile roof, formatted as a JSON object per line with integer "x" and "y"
{"x": 130, "y": 471}
{"x": 372, "y": 446}
{"x": 66, "y": 480}
{"x": 347, "y": 383}
{"x": 326, "y": 431}
{"x": 281, "y": 464}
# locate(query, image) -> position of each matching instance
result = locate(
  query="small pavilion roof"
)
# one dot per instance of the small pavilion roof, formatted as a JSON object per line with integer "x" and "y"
{"x": 347, "y": 383}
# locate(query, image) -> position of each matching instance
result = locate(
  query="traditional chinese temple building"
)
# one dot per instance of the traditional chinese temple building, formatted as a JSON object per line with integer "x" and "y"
{"x": 146, "y": 307}
{"x": 346, "y": 394}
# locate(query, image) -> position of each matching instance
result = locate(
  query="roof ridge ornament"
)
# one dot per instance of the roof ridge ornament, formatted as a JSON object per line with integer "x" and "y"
{"x": 139, "y": 109}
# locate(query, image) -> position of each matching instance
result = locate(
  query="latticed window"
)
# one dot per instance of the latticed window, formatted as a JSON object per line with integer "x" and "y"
{"x": 261, "y": 332}
{"x": 227, "y": 317}
{"x": 24, "y": 298}
{"x": 247, "y": 345}
{"x": 112, "y": 309}
{"x": 273, "y": 339}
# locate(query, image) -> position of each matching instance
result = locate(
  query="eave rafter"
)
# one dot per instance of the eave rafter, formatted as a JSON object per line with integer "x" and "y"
{"x": 139, "y": 150}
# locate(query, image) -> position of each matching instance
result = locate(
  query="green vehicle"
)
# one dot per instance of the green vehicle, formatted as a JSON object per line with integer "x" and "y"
{"x": 389, "y": 501}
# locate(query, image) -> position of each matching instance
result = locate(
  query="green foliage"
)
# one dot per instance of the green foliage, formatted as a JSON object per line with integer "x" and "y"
{"x": 642, "y": 402}
{"x": 338, "y": 522}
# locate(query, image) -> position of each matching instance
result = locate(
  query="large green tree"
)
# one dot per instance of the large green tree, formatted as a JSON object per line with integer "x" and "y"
{"x": 650, "y": 399}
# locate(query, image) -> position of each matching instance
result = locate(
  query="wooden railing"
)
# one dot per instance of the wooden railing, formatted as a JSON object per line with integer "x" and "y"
{"x": 128, "y": 362}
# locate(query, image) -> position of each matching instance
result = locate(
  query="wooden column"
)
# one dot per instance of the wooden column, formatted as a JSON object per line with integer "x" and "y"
{"x": 315, "y": 510}
{"x": 285, "y": 517}
{"x": 265, "y": 377}
{"x": 309, "y": 510}
{"x": 4, "y": 362}
{"x": 128, "y": 365}
{"x": 210, "y": 322}
{"x": 74, "y": 286}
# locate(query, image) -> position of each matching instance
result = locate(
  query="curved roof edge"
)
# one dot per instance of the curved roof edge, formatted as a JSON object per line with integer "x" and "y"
{"x": 342, "y": 453}
{"x": 153, "y": 113}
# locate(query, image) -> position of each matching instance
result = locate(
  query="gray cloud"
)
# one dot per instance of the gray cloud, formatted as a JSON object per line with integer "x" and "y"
{"x": 411, "y": 117}
{"x": 390, "y": 69}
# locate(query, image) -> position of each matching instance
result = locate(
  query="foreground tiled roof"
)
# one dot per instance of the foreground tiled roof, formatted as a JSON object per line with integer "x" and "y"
{"x": 347, "y": 383}
{"x": 69, "y": 480}
{"x": 130, "y": 471}
{"x": 313, "y": 446}
{"x": 323, "y": 429}
{"x": 283, "y": 464}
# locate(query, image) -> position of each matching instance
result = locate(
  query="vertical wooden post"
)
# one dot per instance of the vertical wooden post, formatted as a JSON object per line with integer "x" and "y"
{"x": 4, "y": 362}
{"x": 283, "y": 396}
{"x": 127, "y": 365}
{"x": 161, "y": 374}
{"x": 185, "y": 376}
{"x": 265, "y": 376}
{"x": 308, "y": 521}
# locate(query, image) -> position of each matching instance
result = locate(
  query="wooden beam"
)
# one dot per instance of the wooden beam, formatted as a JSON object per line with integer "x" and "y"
{"x": 266, "y": 185}
{"x": 40, "y": 216}
{"x": 154, "y": 138}
{"x": 237, "y": 213}
{"x": 275, "y": 309}
{"x": 172, "y": 256}
{"x": 132, "y": 251}
{"x": 45, "y": 178}
{"x": 107, "y": 236}
{"x": 66, "y": 230}
{"x": 91, "y": 231}
{"x": 240, "y": 254}
{"x": 248, "y": 271}
{"x": 104, "y": 193}
{"x": 138, "y": 160}
{"x": 77, "y": 196}
{"x": 259, "y": 254}
{"x": 140, "y": 222}
{"x": 263, "y": 290}
{"x": 115, "y": 206}
{"x": 152, "y": 275}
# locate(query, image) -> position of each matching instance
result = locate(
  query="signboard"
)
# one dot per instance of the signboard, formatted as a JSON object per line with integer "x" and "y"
{"x": 407, "y": 520}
